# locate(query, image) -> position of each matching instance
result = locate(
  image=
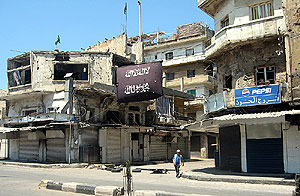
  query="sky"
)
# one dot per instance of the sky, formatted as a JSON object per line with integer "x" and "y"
{"x": 35, "y": 24}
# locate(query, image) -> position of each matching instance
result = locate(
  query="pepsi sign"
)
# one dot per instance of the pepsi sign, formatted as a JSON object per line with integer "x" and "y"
{"x": 260, "y": 95}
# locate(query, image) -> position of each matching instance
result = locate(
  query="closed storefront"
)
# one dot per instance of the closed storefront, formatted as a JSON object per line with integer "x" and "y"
{"x": 28, "y": 147}
{"x": 264, "y": 148}
{"x": 56, "y": 150}
{"x": 230, "y": 148}
{"x": 158, "y": 148}
{"x": 113, "y": 146}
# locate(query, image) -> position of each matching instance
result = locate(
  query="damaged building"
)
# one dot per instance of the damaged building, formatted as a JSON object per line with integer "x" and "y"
{"x": 186, "y": 69}
{"x": 255, "y": 109}
{"x": 62, "y": 107}
{"x": 3, "y": 142}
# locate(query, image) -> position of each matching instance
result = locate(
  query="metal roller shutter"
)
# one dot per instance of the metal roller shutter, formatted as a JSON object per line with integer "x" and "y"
{"x": 265, "y": 155}
{"x": 230, "y": 148}
{"x": 182, "y": 145}
{"x": 158, "y": 149}
{"x": 114, "y": 146}
{"x": 56, "y": 150}
{"x": 28, "y": 149}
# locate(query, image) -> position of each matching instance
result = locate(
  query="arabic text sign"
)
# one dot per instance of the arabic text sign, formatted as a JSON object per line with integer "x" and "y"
{"x": 139, "y": 82}
{"x": 260, "y": 95}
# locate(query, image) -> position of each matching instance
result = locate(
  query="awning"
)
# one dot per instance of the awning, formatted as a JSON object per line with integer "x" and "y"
{"x": 8, "y": 130}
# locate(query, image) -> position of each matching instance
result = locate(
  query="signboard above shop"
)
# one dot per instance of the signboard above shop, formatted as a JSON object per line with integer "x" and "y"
{"x": 260, "y": 95}
{"x": 139, "y": 82}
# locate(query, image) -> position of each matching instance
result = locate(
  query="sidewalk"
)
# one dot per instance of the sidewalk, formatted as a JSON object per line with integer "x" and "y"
{"x": 201, "y": 170}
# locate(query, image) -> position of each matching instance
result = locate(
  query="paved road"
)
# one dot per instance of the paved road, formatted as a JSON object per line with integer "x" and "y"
{"x": 15, "y": 181}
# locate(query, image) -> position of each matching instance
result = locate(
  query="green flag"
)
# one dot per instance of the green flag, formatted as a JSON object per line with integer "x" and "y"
{"x": 57, "y": 41}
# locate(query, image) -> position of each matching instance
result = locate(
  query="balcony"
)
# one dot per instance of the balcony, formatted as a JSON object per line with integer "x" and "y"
{"x": 184, "y": 59}
{"x": 46, "y": 117}
{"x": 234, "y": 35}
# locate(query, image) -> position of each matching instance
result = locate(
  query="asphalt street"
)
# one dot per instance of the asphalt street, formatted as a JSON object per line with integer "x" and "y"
{"x": 15, "y": 181}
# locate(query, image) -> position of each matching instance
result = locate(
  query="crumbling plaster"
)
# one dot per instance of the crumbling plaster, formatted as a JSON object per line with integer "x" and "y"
{"x": 100, "y": 70}
{"x": 242, "y": 61}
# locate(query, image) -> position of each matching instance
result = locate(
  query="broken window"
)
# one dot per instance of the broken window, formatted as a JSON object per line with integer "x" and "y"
{"x": 113, "y": 117}
{"x": 189, "y": 51}
{"x": 80, "y": 71}
{"x": 261, "y": 11}
{"x": 265, "y": 75}
{"x": 18, "y": 62}
{"x": 169, "y": 76}
{"x": 190, "y": 73}
{"x": 225, "y": 22}
{"x": 228, "y": 82}
{"x": 131, "y": 119}
{"x": 19, "y": 77}
{"x": 169, "y": 55}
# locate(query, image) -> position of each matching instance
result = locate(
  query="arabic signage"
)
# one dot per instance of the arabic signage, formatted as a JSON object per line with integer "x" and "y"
{"x": 139, "y": 82}
{"x": 260, "y": 95}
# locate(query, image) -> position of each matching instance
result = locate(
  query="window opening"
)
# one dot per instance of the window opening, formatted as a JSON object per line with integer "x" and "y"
{"x": 193, "y": 92}
{"x": 228, "y": 82}
{"x": 190, "y": 73}
{"x": 225, "y": 22}
{"x": 169, "y": 76}
{"x": 80, "y": 71}
{"x": 169, "y": 55}
{"x": 265, "y": 75}
{"x": 189, "y": 51}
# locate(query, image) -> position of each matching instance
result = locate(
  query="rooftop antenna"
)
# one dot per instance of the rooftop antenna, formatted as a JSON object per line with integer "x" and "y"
{"x": 12, "y": 50}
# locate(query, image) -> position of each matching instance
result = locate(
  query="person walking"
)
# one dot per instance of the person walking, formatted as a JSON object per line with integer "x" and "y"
{"x": 178, "y": 161}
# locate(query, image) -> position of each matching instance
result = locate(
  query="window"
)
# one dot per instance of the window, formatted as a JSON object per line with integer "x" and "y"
{"x": 190, "y": 73}
{"x": 225, "y": 22}
{"x": 169, "y": 55}
{"x": 155, "y": 57}
{"x": 265, "y": 75}
{"x": 262, "y": 11}
{"x": 228, "y": 82}
{"x": 169, "y": 76}
{"x": 28, "y": 112}
{"x": 189, "y": 52}
{"x": 193, "y": 92}
{"x": 80, "y": 71}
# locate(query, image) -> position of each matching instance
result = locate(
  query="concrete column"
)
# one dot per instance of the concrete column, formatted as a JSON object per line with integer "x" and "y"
{"x": 243, "y": 147}
{"x": 103, "y": 144}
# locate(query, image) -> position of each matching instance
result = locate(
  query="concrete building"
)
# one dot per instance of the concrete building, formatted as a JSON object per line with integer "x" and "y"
{"x": 186, "y": 69}
{"x": 3, "y": 142}
{"x": 255, "y": 109}
{"x": 62, "y": 107}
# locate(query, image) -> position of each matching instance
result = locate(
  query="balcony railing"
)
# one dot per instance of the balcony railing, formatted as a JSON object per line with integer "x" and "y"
{"x": 57, "y": 117}
{"x": 242, "y": 32}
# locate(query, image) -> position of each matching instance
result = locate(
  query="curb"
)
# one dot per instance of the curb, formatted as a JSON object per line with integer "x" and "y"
{"x": 100, "y": 190}
{"x": 53, "y": 166}
{"x": 235, "y": 180}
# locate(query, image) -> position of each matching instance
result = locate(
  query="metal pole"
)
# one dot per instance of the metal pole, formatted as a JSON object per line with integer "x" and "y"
{"x": 140, "y": 20}
{"x": 70, "y": 138}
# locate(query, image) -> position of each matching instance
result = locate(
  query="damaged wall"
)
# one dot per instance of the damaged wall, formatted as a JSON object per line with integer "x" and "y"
{"x": 192, "y": 30}
{"x": 43, "y": 72}
{"x": 241, "y": 64}
{"x": 292, "y": 42}
{"x": 3, "y": 104}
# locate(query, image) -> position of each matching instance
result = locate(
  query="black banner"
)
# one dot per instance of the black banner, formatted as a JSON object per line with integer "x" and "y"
{"x": 139, "y": 82}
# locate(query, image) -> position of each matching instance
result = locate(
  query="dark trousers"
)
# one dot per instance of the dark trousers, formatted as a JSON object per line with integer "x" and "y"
{"x": 177, "y": 166}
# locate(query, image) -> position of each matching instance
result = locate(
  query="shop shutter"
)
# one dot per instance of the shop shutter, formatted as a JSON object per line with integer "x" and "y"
{"x": 113, "y": 146}
{"x": 158, "y": 148}
{"x": 230, "y": 148}
{"x": 28, "y": 149}
{"x": 56, "y": 150}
